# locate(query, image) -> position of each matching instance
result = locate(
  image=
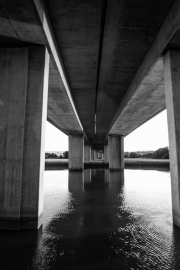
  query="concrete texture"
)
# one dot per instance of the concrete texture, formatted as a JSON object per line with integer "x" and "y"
{"x": 106, "y": 153}
{"x": 23, "y": 109}
{"x": 92, "y": 154}
{"x": 34, "y": 138}
{"x": 116, "y": 152}
{"x": 147, "y": 101}
{"x": 76, "y": 152}
{"x": 172, "y": 85}
{"x": 105, "y": 73}
{"x": 100, "y": 54}
{"x": 13, "y": 77}
{"x": 87, "y": 152}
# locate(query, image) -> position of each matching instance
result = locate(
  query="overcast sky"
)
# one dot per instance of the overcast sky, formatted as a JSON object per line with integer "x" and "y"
{"x": 150, "y": 136}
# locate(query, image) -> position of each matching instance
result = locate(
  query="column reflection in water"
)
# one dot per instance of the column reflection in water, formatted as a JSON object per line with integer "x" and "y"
{"x": 76, "y": 181}
{"x": 103, "y": 221}
{"x": 17, "y": 248}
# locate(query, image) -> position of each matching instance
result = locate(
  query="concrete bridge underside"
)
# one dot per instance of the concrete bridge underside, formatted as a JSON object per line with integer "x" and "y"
{"x": 105, "y": 67}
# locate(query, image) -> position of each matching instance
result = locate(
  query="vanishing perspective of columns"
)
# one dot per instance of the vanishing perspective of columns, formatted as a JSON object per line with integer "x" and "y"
{"x": 172, "y": 93}
{"x": 24, "y": 74}
{"x": 76, "y": 152}
{"x": 116, "y": 152}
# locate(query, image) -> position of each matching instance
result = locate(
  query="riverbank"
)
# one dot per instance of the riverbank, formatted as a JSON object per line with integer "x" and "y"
{"x": 60, "y": 164}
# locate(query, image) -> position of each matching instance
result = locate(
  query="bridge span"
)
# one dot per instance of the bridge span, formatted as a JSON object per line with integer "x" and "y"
{"x": 96, "y": 70}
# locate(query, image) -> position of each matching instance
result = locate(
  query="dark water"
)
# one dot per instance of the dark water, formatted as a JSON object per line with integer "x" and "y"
{"x": 99, "y": 220}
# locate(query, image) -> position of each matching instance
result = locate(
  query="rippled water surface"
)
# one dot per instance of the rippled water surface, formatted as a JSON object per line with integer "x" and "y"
{"x": 99, "y": 220}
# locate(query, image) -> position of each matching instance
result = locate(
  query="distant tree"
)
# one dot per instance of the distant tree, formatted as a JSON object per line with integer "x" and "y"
{"x": 51, "y": 155}
{"x": 161, "y": 153}
{"x": 65, "y": 155}
{"x": 134, "y": 155}
{"x": 126, "y": 154}
{"x": 148, "y": 155}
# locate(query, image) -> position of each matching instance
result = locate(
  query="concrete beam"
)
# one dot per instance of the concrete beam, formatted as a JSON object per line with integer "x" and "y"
{"x": 50, "y": 35}
{"x": 168, "y": 29}
{"x": 172, "y": 86}
{"x": 116, "y": 152}
{"x": 76, "y": 152}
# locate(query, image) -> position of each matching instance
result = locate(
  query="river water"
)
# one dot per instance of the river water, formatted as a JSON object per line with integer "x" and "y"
{"x": 98, "y": 219}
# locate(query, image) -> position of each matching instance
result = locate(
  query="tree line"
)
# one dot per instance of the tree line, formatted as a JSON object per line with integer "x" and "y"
{"x": 161, "y": 153}
{"x": 54, "y": 156}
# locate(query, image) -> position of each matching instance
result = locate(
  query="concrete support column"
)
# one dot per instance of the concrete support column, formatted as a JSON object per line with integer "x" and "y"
{"x": 92, "y": 154}
{"x": 95, "y": 154}
{"x": 24, "y": 74}
{"x": 116, "y": 152}
{"x": 172, "y": 93}
{"x": 106, "y": 153}
{"x": 100, "y": 155}
{"x": 76, "y": 152}
{"x": 87, "y": 152}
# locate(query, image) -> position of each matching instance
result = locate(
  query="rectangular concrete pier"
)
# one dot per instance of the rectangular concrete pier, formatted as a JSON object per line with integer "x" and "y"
{"x": 76, "y": 152}
{"x": 23, "y": 109}
{"x": 87, "y": 152}
{"x": 172, "y": 92}
{"x": 116, "y": 152}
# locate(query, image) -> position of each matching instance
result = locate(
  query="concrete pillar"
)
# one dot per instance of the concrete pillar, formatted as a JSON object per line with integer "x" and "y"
{"x": 172, "y": 93}
{"x": 95, "y": 154}
{"x": 92, "y": 154}
{"x": 106, "y": 153}
{"x": 87, "y": 152}
{"x": 76, "y": 152}
{"x": 116, "y": 152}
{"x": 100, "y": 155}
{"x": 24, "y": 76}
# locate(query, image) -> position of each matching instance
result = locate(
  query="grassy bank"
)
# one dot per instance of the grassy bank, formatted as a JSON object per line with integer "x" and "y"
{"x": 60, "y": 164}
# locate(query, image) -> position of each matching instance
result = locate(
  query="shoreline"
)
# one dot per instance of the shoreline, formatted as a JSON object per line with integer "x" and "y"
{"x": 60, "y": 164}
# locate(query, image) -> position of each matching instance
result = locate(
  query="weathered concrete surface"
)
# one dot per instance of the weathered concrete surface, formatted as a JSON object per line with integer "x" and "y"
{"x": 92, "y": 153}
{"x": 147, "y": 101}
{"x": 77, "y": 27}
{"x": 172, "y": 86}
{"x": 106, "y": 153}
{"x": 13, "y": 77}
{"x": 76, "y": 152}
{"x": 128, "y": 54}
{"x": 87, "y": 152}
{"x": 34, "y": 138}
{"x": 21, "y": 26}
{"x": 96, "y": 154}
{"x": 116, "y": 152}
{"x": 100, "y": 54}
{"x": 23, "y": 110}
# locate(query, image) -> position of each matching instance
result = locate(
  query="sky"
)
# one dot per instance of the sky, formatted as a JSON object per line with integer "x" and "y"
{"x": 150, "y": 136}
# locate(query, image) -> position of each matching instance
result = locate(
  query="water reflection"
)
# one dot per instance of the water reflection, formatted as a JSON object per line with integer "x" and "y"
{"x": 98, "y": 219}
